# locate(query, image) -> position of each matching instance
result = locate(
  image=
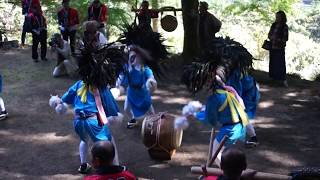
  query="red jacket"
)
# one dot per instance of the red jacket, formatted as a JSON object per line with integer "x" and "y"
{"x": 73, "y": 17}
{"x": 99, "y": 14}
{"x": 112, "y": 173}
{"x": 27, "y": 4}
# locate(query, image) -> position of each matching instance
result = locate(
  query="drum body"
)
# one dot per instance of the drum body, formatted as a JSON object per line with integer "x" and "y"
{"x": 160, "y": 136}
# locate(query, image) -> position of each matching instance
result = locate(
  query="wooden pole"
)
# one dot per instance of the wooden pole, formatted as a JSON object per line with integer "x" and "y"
{"x": 210, "y": 146}
{"x": 223, "y": 141}
{"x": 247, "y": 174}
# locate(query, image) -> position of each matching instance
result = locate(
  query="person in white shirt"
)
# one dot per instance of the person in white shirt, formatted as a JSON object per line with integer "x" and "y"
{"x": 66, "y": 65}
{"x": 92, "y": 37}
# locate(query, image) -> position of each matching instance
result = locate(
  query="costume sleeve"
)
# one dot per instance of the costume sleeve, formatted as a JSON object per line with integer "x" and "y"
{"x": 148, "y": 72}
{"x": 71, "y": 94}
{"x": 211, "y": 112}
{"x": 109, "y": 104}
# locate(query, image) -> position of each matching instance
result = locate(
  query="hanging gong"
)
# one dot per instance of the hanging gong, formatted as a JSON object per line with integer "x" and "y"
{"x": 169, "y": 23}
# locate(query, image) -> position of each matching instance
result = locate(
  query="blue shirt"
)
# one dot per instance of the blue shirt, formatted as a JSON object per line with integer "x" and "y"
{"x": 71, "y": 97}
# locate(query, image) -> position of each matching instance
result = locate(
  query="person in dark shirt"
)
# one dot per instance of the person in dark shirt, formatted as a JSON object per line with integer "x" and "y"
{"x": 278, "y": 35}
{"x": 97, "y": 11}
{"x": 209, "y": 25}
{"x": 68, "y": 20}
{"x": 103, "y": 153}
{"x": 26, "y": 9}
{"x": 39, "y": 33}
{"x": 145, "y": 15}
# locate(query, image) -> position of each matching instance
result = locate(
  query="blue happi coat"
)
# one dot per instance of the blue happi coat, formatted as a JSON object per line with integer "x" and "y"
{"x": 138, "y": 97}
{"x": 83, "y": 102}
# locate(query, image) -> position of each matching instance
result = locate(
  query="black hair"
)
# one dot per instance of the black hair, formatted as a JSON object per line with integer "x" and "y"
{"x": 233, "y": 162}
{"x": 104, "y": 151}
{"x": 283, "y": 16}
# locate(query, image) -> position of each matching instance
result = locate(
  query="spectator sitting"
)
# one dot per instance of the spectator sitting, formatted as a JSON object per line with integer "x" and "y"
{"x": 103, "y": 153}
{"x": 233, "y": 162}
{"x": 65, "y": 65}
{"x": 92, "y": 37}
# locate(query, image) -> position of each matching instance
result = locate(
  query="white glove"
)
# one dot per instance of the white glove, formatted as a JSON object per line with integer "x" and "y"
{"x": 116, "y": 120}
{"x": 115, "y": 92}
{"x": 62, "y": 108}
{"x": 181, "y": 123}
{"x": 191, "y": 108}
{"x": 151, "y": 84}
{"x": 54, "y": 101}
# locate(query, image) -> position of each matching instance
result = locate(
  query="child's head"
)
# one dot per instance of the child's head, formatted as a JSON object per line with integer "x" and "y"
{"x": 102, "y": 153}
{"x": 233, "y": 162}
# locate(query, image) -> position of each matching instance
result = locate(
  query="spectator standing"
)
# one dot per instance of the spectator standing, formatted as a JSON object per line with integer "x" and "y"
{"x": 68, "y": 20}
{"x": 278, "y": 36}
{"x": 26, "y": 9}
{"x": 39, "y": 33}
{"x": 209, "y": 25}
{"x": 97, "y": 11}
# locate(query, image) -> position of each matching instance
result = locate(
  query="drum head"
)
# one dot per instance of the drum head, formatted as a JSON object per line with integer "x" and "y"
{"x": 169, "y": 23}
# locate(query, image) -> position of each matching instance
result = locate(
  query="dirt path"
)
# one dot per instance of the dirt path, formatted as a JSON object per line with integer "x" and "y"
{"x": 36, "y": 143}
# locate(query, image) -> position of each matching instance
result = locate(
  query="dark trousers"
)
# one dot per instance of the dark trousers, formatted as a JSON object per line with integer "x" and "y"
{"x": 277, "y": 64}
{"x": 42, "y": 39}
{"x": 24, "y": 32}
{"x": 72, "y": 36}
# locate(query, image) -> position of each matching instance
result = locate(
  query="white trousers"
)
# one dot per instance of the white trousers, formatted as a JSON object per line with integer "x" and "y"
{"x": 67, "y": 67}
{"x": 129, "y": 113}
{"x": 83, "y": 151}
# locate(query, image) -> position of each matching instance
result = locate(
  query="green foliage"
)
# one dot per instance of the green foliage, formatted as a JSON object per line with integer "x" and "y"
{"x": 265, "y": 9}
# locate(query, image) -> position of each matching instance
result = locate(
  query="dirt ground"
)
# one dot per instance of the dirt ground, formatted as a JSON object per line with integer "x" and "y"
{"x": 36, "y": 143}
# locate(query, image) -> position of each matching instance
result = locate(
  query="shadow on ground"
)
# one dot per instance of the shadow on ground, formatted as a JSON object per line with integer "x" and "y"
{"x": 36, "y": 143}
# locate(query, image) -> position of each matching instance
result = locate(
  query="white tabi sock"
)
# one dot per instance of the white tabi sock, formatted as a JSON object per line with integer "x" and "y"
{"x": 2, "y": 108}
{"x": 250, "y": 130}
{"x": 83, "y": 149}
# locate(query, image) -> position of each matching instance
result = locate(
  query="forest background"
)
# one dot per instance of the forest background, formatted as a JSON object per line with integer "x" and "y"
{"x": 246, "y": 21}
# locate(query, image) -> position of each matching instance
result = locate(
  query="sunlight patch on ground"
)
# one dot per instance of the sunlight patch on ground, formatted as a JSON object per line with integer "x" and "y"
{"x": 266, "y": 104}
{"x": 292, "y": 94}
{"x": 175, "y": 100}
{"x": 280, "y": 158}
{"x": 263, "y": 122}
{"x": 3, "y": 150}
{"x": 42, "y": 138}
{"x": 264, "y": 89}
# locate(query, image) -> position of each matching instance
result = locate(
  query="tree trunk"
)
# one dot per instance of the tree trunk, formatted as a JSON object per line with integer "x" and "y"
{"x": 155, "y": 21}
{"x": 190, "y": 17}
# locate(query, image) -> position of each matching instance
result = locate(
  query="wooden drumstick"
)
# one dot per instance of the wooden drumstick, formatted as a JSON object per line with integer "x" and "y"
{"x": 223, "y": 141}
{"x": 210, "y": 146}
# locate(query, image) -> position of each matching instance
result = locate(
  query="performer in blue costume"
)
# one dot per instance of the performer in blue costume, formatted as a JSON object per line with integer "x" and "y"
{"x": 3, "y": 112}
{"x": 222, "y": 62}
{"x": 91, "y": 98}
{"x": 247, "y": 88}
{"x": 145, "y": 51}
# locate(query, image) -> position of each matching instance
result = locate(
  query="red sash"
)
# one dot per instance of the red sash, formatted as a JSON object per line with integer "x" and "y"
{"x": 101, "y": 113}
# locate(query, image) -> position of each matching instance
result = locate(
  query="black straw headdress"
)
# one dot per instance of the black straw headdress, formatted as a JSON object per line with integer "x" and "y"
{"x": 221, "y": 58}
